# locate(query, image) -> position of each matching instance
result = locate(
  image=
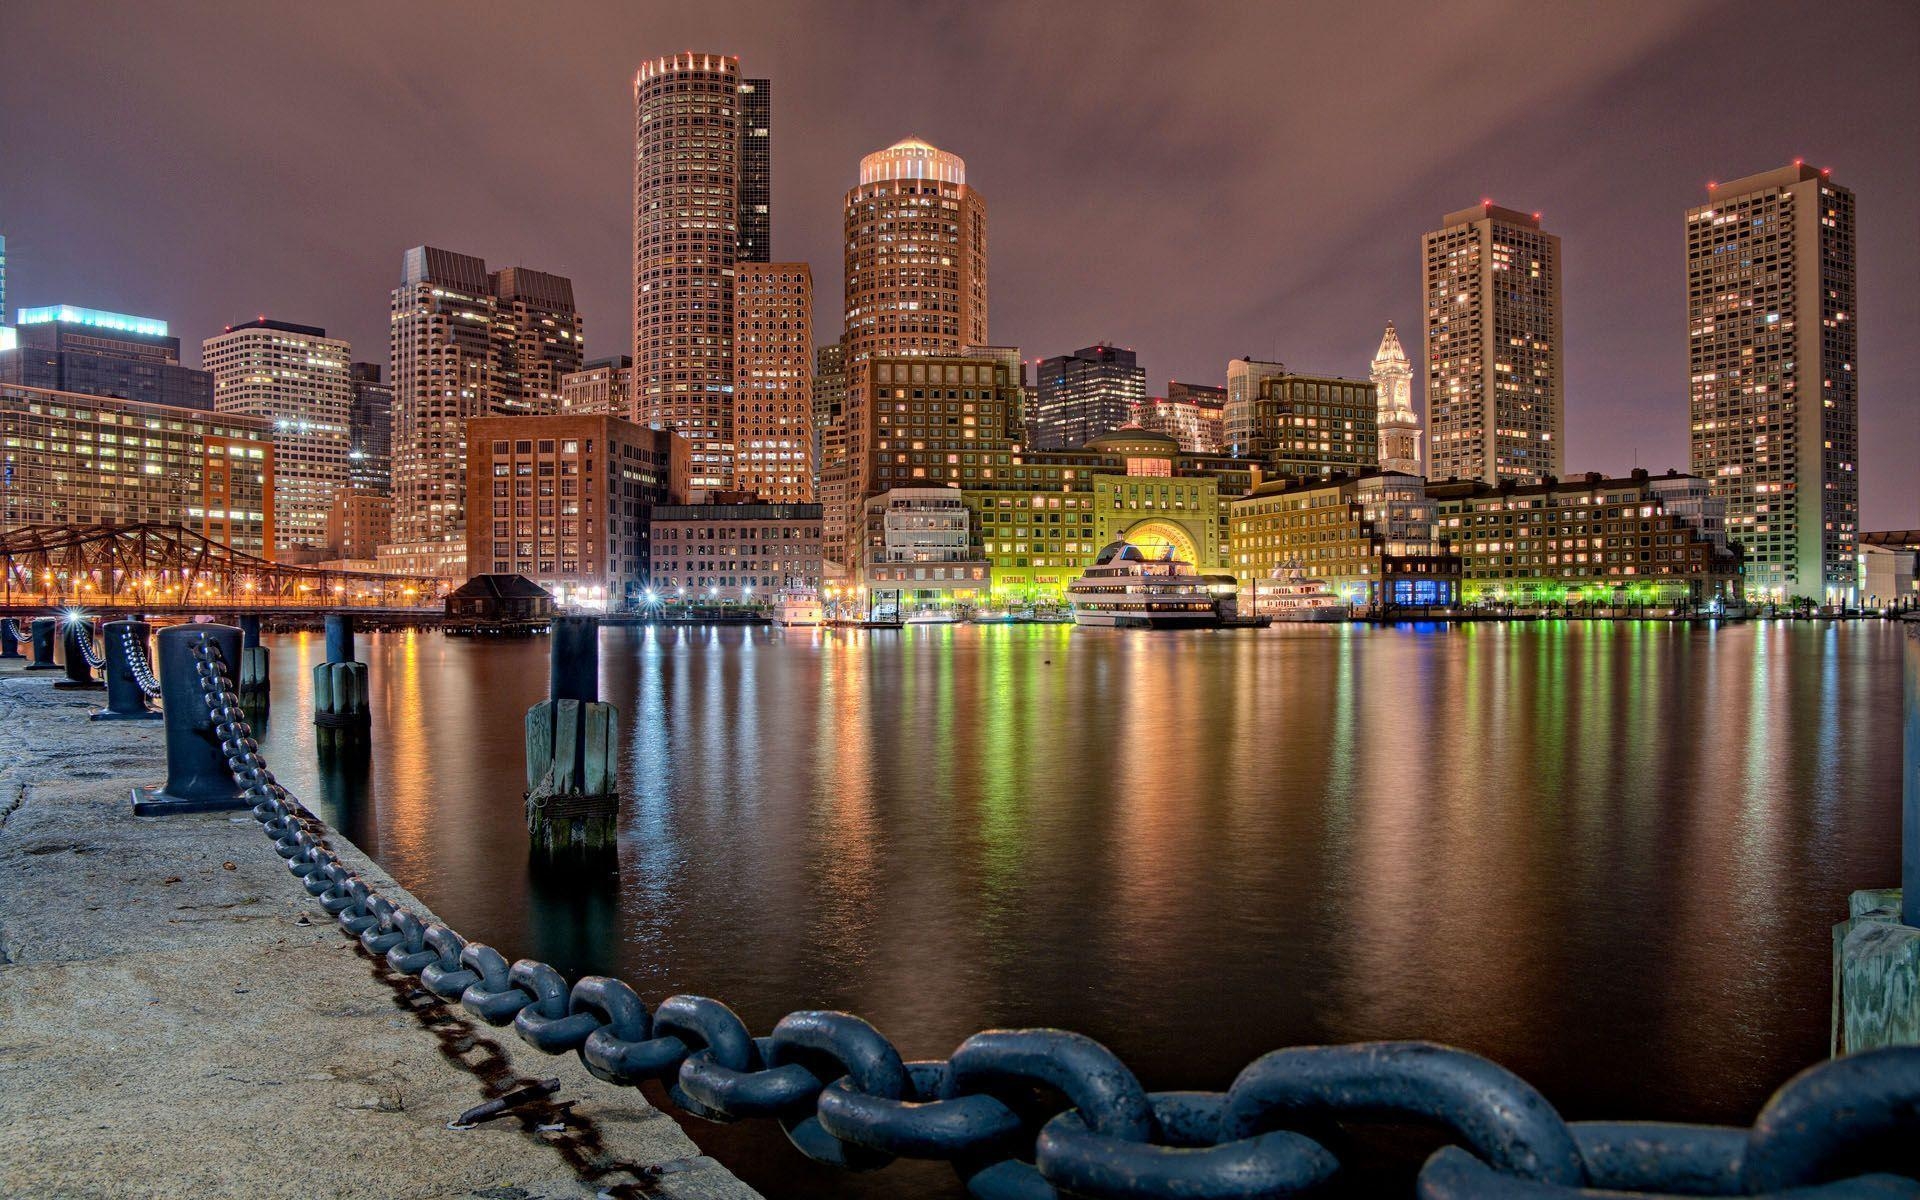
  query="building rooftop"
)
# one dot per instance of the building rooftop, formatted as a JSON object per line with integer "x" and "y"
{"x": 68, "y": 314}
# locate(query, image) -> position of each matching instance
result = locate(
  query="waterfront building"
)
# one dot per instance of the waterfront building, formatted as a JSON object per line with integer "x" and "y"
{"x": 1040, "y": 517}
{"x": 737, "y": 551}
{"x": 1370, "y": 537}
{"x": 566, "y": 501}
{"x": 924, "y": 550}
{"x": 369, "y": 430}
{"x": 65, "y": 348}
{"x": 773, "y": 381}
{"x": 600, "y": 386}
{"x": 756, "y": 171}
{"x": 686, "y": 243}
{"x": 1588, "y": 539}
{"x": 539, "y": 338}
{"x": 1772, "y": 351}
{"x": 1190, "y": 413}
{"x": 295, "y": 378}
{"x": 915, "y": 285}
{"x": 1313, "y": 425}
{"x": 75, "y": 459}
{"x": 1398, "y": 426}
{"x": 1495, "y": 379}
{"x": 1244, "y": 376}
{"x": 1887, "y": 575}
{"x": 829, "y": 410}
{"x": 430, "y": 560}
{"x": 1086, "y": 394}
{"x": 359, "y": 523}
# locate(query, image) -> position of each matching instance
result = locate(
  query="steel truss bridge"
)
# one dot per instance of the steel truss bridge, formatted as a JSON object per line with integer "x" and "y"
{"x": 158, "y": 569}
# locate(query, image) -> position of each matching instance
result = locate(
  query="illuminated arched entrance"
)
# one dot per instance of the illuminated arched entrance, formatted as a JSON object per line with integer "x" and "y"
{"x": 1154, "y": 536}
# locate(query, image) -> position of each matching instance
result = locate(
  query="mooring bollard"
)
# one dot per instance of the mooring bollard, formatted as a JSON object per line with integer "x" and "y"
{"x": 126, "y": 700}
{"x": 197, "y": 776}
{"x": 9, "y": 640}
{"x": 76, "y": 639}
{"x": 573, "y": 797}
{"x": 340, "y": 714}
{"x": 40, "y": 636}
{"x": 255, "y": 693}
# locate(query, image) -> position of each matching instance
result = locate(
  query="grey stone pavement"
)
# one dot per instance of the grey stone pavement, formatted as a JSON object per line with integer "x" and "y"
{"x": 178, "y": 1018}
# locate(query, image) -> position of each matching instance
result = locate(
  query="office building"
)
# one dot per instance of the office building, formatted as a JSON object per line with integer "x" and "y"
{"x": 1086, "y": 394}
{"x": 1495, "y": 380}
{"x": 601, "y": 386}
{"x": 1398, "y": 426}
{"x": 916, "y": 285}
{"x": 566, "y": 501}
{"x": 1641, "y": 539}
{"x": 97, "y": 353}
{"x": 74, "y": 459}
{"x": 370, "y": 430}
{"x": 539, "y": 338}
{"x": 1244, "y": 376}
{"x": 773, "y": 381}
{"x": 1772, "y": 360}
{"x": 686, "y": 233}
{"x": 1313, "y": 425}
{"x": 829, "y": 407}
{"x": 735, "y": 551}
{"x": 359, "y": 523}
{"x": 1019, "y": 415}
{"x": 296, "y": 379}
{"x": 1371, "y": 537}
{"x": 756, "y": 171}
{"x": 1192, "y": 414}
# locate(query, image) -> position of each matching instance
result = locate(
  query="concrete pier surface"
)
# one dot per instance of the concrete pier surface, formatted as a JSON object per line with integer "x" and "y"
{"x": 178, "y": 1018}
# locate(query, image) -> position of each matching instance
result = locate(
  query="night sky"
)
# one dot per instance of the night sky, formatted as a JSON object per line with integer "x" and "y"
{"x": 1197, "y": 182}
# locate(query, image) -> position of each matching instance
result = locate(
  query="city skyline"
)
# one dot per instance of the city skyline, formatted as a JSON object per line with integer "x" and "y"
{"x": 1086, "y": 254}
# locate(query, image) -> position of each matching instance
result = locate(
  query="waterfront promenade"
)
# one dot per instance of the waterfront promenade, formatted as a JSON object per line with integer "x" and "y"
{"x": 177, "y": 1018}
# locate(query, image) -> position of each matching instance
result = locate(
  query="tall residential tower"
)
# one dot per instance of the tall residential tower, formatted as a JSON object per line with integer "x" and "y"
{"x": 1495, "y": 383}
{"x": 773, "y": 382}
{"x": 1772, "y": 349}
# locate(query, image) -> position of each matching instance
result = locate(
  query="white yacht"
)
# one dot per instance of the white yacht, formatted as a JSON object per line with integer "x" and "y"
{"x": 799, "y": 608}
{"x": 1127, "y": 590}
{"x": 1290, "y": 594}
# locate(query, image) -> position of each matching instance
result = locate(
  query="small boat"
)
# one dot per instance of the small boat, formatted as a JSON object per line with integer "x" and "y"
{"x": 1125, "y": 589}
{"x": 798, "y": 609}
{"x": 1290, "y": 594}
{"x": 932, "y": 616}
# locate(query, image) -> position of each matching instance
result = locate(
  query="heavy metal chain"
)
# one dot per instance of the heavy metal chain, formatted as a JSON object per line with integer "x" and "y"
{"x": 137, "y": 665}
{"x": 13, "y": 627}
{"x": 1042, "y": 1113}
{"x": 85, "y": 641}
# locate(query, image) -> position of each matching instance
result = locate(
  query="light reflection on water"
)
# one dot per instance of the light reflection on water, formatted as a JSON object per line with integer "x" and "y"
{"x": 1606, "y": 855}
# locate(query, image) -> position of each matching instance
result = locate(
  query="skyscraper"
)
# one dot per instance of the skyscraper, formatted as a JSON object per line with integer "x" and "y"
{"x": 1399, "y": 426}
{"x": 773, "y": 382}
{"x": 1244, "y": 376}
{"x": 444, "y": 373}
{"x": 686, "y": 233}
{"x": 756, "y": 171}
{"x": 1495, "y": 382}
{"x": 1085, "y": 394}
{"x": 829, "y": 406}
{"x": 539, "y": 337}
{"x": 370, "y": 431}
{"x": 295, "y": 377}
{"x": 96, "y": 353}
{"x": 1771, "y": 354}
{"x": 916, "y": 284}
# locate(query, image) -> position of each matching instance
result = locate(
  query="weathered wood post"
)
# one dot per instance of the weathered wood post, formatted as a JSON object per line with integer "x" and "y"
{"x": 573, "y": 789}
{"x": 253, "y": 687}
{"x": 9, "y": 640}
{"x": 76, "y": 639}
{"x": 197, "y": 776}
{"x": 126, "y": 700}
{"x": 341, "y": 717}
{"x": 40, "y": 636}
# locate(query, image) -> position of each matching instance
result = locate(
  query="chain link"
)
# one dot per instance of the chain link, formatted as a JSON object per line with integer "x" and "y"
{"x": 84, "y": 639}
{"x": 137, "y": 664}
{"x": 1043, "y": 1113}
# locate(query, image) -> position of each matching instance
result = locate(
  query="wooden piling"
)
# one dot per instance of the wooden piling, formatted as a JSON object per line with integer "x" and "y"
{"x": 573, "y": 781}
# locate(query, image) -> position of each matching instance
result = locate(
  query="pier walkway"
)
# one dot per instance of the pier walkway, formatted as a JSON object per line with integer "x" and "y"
{"x": 177, "y": 1019}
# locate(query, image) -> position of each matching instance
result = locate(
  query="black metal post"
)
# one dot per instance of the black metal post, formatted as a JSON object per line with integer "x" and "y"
{"x": 125, "y": 700}
{"x": 73, "y": 634}
{"x": 40, "y": 634}
{"x": 9, "y": 643}
{"x": 250, "y": 632}
{"x": 339, "y": 637}
{"x": 575, "y": 673}
{"x": 197, "y": 776}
